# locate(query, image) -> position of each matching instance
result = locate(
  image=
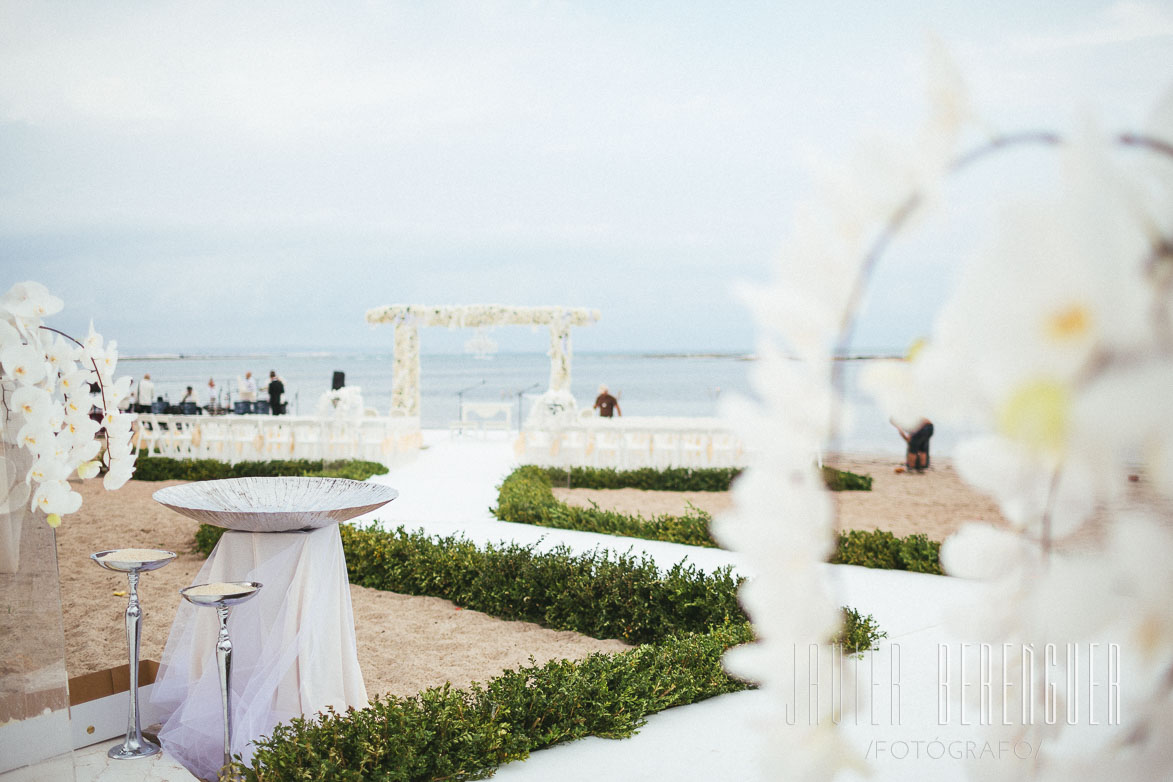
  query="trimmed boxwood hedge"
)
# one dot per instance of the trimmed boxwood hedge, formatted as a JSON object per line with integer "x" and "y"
{"x": 596, "y": 593}
{"x": 450, "y": 734}
{"x": 882, "y": 549}
{"x": 684, "y": 619}
{"x": 162, "y": 468}
{"x": 526, "y": 497}
{"x": 680, "y": 478}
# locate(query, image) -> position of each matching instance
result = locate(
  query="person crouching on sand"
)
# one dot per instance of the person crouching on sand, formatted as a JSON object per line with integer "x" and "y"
{"x": 918, "y": 444}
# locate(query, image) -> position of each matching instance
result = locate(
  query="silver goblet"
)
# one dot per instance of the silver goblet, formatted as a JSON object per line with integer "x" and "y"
{"x": 220, "y": 596}
{"x": 133, "y": 561}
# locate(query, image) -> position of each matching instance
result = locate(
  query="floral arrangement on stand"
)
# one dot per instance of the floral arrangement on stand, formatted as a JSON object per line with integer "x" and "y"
{"x": 1059, "y": 340}
{"x": 344, "y": 403}
{"x": 54, "y": 425}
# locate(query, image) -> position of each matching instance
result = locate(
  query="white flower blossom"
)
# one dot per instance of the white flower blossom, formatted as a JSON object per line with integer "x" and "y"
{"x": 30, "y": 301}
{"x": 118, "y": 475}
{"x": 55, "y": 496}
{"x": 47, "y": 399}
{"x": 23, "y": 363}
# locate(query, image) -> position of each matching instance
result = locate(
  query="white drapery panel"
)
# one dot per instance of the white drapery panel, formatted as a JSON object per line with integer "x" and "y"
{"x": 293, "y": 646}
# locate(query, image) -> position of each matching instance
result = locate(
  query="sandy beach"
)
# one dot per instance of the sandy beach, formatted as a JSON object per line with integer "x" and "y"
{"x": 935, "y": 503}
{"x": 405, "y": 643}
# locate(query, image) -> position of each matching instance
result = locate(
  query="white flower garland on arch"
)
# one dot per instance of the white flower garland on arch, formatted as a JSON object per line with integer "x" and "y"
{"x": 407, "y": 319}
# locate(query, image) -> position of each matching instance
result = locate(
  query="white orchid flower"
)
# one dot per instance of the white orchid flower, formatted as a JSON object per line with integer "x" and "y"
{"x": 62, "y": 355}
{"x": 80, "y": 427}
{"x": 30, "y": 301}
{"x": 9, "y": 336}
{"x": 117, "y": 391}
{"x": 89, "y": 469}
{"x": 118, "y": 475}
{"x": 45, "y": 468}
{"x": 56, "y": 497}
{"x": 36, "y": 436}
{"x": 59, "y": 433}
{"x": 78, "y": 382}
{"x": 23, "y": 363}
{"x": 84, "y": 451}
{"x": 32, "y": 402}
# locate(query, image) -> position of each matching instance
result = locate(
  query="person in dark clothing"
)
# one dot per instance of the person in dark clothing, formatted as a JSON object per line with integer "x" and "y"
{"x": 276, "y": 389}
{"x": 918, "y": 444}
{"x": 606, "y": 404}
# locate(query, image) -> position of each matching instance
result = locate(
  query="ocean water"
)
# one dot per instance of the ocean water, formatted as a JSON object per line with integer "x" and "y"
{"x": 646, "y": 384}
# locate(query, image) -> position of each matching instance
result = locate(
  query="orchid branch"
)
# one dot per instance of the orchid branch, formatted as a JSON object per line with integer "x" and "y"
{"x": 101, "y": 386}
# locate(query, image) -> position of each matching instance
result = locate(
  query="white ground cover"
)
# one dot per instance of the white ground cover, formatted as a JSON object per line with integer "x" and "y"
{"x": 450, "y": 488}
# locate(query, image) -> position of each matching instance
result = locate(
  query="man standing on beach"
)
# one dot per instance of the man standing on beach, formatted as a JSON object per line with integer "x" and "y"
{"x": 605, "y": 403}
{"x": 248, "y": 388}
{"x": 276, "y": 389}
{"x": 146, "y": 393}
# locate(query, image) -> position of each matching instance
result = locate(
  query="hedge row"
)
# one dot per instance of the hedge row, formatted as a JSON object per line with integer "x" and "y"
{"x": 161, "y": 468}
{"x": 451, "y": 734}
{"x": 680, "y": 478}
{"x": 684, "y": 619}
{"x": 594, "y": 593}
{"x": 647, "y": 478}
{"x": 526, "y": 497}
{"x": 882, "y": 549}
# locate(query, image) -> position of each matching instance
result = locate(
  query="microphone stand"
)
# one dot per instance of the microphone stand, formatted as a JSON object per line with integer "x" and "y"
{"x": 520, "y": 394}
{"x": 460, "y": 402}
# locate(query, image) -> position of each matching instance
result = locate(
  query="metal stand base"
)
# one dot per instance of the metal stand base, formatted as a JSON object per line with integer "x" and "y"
{"x": 125, "y": 751}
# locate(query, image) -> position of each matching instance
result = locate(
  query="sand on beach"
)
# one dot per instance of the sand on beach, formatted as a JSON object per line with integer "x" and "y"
{"x": 405, "y": 643}
{"x": 936, "y": 502}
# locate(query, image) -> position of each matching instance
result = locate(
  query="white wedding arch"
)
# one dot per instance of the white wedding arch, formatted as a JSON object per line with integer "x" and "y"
{"x": 556, "y": 404}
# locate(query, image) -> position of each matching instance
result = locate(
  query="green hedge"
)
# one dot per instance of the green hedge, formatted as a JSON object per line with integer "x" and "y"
{"x": 842, "y": 480}
{"x": 684, "y": 619}
{"x": 450, "y": 734}
{"x": 526, "y": 497}
{"x": 160, "y": 468}
{"x": 680, "y": 478}
{"x": 648, "y": 478}
{"x": 882, "y": 549}
{"x": 595, "y": 593}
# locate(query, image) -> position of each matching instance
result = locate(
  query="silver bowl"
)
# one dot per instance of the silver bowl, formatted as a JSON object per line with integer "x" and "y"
{"x": 275, "y": 504}
{"x": 238, "y": 592}
{"x": 139, "y": 559}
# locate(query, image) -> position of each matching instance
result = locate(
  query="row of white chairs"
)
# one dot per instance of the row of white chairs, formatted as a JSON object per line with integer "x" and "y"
{"x": 630, "y": 448}
{"x": 233, "y": 438}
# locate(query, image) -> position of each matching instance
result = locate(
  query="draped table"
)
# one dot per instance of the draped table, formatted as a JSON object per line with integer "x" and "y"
{"x": 294, "y": 650}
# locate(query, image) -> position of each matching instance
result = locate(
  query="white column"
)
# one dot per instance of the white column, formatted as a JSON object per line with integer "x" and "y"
{"x": 405, "y": 371}
{"x": 560, "y": 354}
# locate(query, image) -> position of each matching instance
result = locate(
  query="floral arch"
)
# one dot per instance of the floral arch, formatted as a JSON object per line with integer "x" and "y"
{"x": 407, "y": 319}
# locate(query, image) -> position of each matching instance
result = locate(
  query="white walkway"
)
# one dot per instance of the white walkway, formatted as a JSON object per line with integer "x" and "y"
{"x": 449, "y": 489}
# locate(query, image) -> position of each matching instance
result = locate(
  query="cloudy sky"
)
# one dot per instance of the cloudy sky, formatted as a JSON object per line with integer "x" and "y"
{"x": 225, "y": 176}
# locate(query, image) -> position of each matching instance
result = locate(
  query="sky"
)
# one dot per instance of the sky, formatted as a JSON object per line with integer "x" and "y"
{"x": 227, "y": 177}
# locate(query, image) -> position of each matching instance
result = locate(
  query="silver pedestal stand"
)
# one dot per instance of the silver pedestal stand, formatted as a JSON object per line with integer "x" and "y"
{"x": 132, "y": 562}
{"x": 221, "y": 596}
